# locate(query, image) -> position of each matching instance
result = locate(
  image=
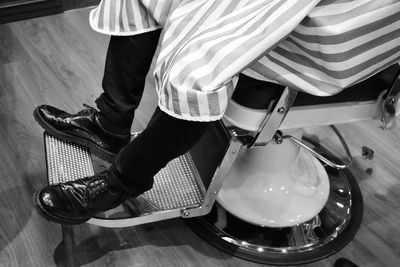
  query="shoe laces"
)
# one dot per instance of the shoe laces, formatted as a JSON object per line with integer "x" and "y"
{"x": 96, "y": 187}
{"x": 88, "y": 110}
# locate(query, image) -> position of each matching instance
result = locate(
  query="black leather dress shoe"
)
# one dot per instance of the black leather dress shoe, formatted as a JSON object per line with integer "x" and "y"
{"x": 75, "y": 202}
{"x": 82, "y": 128}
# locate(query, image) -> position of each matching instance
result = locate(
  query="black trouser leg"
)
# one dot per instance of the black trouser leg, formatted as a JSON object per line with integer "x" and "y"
{"x": 127, "y": 64}
{"x": 164, "y": 139}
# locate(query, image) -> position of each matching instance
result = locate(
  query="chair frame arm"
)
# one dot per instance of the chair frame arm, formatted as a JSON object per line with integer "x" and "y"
{"x": 318, "y": 155}
{"x": 269, "y": 130}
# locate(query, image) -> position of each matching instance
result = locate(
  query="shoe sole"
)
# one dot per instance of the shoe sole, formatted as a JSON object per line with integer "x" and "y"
{"x": 95, "y": 149}
{"x": 50, "y": 217}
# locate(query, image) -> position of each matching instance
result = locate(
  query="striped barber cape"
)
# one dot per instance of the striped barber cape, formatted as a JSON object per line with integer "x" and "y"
{"x": 317, "y": 46}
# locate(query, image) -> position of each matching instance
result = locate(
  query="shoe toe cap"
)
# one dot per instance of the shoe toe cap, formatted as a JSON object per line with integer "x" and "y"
{"x": 49, "y": 113}
{"x": 51, "y": 200}
{"x": 48, "y": 198}
{"x": 55, "y": 205}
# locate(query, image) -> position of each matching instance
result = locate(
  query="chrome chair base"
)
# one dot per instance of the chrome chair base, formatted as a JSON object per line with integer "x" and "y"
{"x": 332, "y": 229}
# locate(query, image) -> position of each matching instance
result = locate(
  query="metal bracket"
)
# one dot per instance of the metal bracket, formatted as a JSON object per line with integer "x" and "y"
{"x": 272, "y": 122}
{"x": 220, "y": 175}
{"x": 388, "y": 105}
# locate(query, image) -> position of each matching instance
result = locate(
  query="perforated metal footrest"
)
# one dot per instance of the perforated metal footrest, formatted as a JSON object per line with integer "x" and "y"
{"x": 176, "y": 187}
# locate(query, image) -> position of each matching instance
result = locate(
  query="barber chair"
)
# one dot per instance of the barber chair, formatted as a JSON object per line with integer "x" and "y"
{"x": 254, "y": 186}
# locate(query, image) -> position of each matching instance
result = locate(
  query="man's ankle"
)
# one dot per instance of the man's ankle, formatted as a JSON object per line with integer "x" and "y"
{"x": 128, "y": 188}
{"x": 111, "y": 127}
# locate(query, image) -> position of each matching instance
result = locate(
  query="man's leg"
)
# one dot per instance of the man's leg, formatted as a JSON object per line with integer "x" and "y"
{"x": 164, "y": 139}
{"x": 127, "y": 64}
{"x": 108, "y": 130}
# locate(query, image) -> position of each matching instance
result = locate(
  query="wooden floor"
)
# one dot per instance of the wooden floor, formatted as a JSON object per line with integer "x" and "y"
{"x": 58, "y": 60}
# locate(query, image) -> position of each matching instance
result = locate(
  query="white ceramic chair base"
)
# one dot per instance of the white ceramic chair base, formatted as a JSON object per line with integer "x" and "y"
{"x": 279, "y": 185}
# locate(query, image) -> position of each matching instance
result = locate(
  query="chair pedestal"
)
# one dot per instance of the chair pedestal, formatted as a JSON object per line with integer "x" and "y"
{"x": 279, "y": 185}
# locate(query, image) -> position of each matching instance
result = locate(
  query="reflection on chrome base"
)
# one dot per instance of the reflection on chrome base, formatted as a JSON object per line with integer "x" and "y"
{"x": 310, "y": 241}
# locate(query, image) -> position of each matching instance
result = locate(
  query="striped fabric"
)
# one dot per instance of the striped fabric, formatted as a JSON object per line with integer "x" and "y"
{"x": 317, "y": 46}
{"x": 338, "y": 44}
{"x": 129, "y": 17}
